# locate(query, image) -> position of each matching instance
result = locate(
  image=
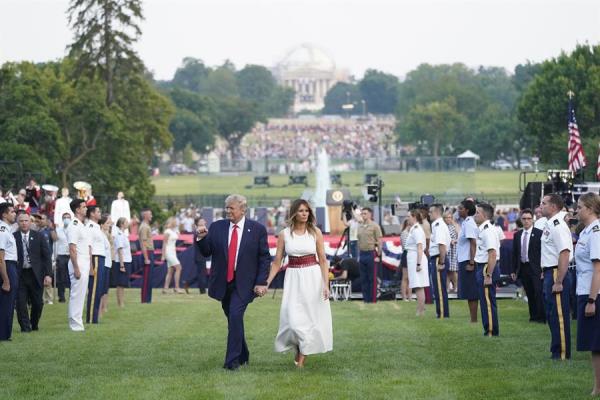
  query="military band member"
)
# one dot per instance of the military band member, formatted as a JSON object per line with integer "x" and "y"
{"x": 587, "y": 257}
{"x": 557, "y": 250}
{"x": 487, "y": 272}
{"x": 369, "y": 246}
{"x": 8, "y": 270}
{"x": 80, "y": 252}
{"x": 438, "y": 260}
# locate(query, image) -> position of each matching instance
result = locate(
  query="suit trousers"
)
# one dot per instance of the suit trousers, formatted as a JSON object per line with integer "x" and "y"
{"x": 533, "y": 289}
{"x": 487, "y": 301}
{"x": 29, "y": 292}
{"x": 234, "y": 309}
{"x": 146, "y": 291}
{"x": 77, "y": 293}
{"x": 7, "y": 301}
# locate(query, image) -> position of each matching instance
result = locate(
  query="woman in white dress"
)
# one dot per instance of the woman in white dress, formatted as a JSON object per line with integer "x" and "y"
{"x": 305, "y": 316}
{"x": 169, "y": 253}
{"x": 418, "y": 276}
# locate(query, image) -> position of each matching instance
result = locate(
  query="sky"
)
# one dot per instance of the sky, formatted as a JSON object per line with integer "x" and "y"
{"x": 394, "y": 36}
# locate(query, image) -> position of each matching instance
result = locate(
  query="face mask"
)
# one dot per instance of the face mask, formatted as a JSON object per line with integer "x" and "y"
{"x": 66, "y": 221}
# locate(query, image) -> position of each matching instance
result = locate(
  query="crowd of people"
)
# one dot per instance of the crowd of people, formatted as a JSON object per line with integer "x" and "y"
{"x": 300, "y": 139}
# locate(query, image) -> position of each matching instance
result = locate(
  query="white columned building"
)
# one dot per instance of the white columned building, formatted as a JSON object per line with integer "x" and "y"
{"x": 311, "y": 72}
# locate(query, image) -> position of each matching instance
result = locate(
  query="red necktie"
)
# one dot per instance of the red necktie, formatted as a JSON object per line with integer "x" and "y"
{"x": 232, "y": 254}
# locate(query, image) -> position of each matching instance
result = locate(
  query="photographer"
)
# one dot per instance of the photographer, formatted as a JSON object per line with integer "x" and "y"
{"x": 352, "y": 219}
{"x": 349, "y": 267}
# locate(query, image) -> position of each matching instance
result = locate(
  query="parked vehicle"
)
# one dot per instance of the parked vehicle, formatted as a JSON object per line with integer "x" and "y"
{"x": 502, "y": 165}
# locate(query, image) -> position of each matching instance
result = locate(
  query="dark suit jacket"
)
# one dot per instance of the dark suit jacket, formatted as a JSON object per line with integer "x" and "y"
{"x": 534, "y": 251}
{"x": 253, "y": 260}
{"x": 39, "y": 254}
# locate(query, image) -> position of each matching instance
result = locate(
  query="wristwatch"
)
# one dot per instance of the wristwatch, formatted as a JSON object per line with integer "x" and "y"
{"x": 591, "y": 300}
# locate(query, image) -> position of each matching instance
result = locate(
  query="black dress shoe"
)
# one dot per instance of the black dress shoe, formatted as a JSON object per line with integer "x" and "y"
{"x": 34, "y": 328}
{"x": 25, "y": 330}
{"x": 61, "y": 300}
{"x": 202, "y": 291}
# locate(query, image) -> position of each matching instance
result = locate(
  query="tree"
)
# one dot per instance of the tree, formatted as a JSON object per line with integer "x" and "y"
{"x": 105, "y": 31}
{"x": 437, "y": 123}
{"x": 236, "y": 117}
{"x": 195, "y": 121}
{"x": 380, "y": 91}
{"x": 343, "y": 93}
{"x": 543, "y": 108}
{"x": 257, "y": 84}
{"x": 192, "y": 75}
{"x": 74, "y": 135}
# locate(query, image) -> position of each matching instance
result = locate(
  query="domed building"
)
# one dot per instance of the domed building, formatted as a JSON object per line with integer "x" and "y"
{"x": 311, "y": 72}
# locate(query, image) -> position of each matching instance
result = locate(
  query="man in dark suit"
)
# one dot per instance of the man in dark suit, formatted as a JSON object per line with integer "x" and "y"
{"x": 34, "y": 267}
{"x": 240, "y": 262}
{"x": 526, "y": 265}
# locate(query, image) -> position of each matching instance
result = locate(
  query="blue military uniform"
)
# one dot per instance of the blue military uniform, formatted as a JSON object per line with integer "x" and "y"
{"x": 587, "y": 252}
{"x": 487, "y": 240}
{"x": 555, "y": 239}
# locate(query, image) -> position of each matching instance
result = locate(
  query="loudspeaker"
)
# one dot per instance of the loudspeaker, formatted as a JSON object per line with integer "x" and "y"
{"x": 532, "y": 195}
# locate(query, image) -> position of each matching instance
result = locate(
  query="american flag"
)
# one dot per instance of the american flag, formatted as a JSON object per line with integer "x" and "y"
{"x": 576, "y": 156}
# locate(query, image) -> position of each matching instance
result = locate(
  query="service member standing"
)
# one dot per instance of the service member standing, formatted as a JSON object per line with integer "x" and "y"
{"x": 369, "y": 235}
{"x": 587, "y": 257}
{"x": 466, "y": 250}
{"x": 487, "y": 273}
{"x": 557, "y": 249}
{"x": 438, "y": 262}
{"x": 97, "y": 270}
{"x": 8, "y": 270}
{"x": 147, "y": 244}
{"x": 80, "y": 252}
{"x": 62, "y": 257}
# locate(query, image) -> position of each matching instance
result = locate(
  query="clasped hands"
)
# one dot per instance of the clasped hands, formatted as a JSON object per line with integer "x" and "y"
{"x": 260, "y": 290}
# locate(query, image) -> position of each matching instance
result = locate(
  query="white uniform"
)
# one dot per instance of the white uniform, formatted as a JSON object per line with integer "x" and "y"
{"x": 118, "y": 209}
{"x": 79, "y": 235}
{"x": 122, "y": 242}
{"x": 7, "y": 242}
{"x": 96, "y": 238}
{"x": 63, "y": 205}
{"x": 108, "y": 256}
{"x": 586, "y": 250}
{"x": 468, "y": 230}
{"x": 486, "y": 241}
{"x": 556, "y": 238}
{"x": 416, "y": 279}
{"x": 440, "y": 234}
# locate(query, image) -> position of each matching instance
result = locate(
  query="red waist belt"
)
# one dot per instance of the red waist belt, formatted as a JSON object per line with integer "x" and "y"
{"x": 302, "y": 261}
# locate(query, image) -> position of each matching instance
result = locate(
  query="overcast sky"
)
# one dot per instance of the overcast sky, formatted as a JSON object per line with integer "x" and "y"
{"x": 391, "y": 35}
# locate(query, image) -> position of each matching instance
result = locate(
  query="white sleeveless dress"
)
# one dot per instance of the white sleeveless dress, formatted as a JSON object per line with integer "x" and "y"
{"x": 171, "y": 249}
{"x": 305, "y": 317}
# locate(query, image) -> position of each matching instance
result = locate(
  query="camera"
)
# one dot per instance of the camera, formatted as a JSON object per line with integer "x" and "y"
{"x": 347, "y": 207}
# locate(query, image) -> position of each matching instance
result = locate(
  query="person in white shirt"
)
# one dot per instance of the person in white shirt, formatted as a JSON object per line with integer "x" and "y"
{"x": 557, "y": 251}
{"x": 488, "y": 270}
{"x": 63, "y": 205}
{"x": 80, "y": 252}
{"x": 587, "y": 257}
{"x": 120, "y": 208}
{"x": 415, "y": 259}
{"x": 9, "y": 279}
{"x": 106, "y": 226}
{"x": 61, "y": 249}
{"x": 540, "y": 220}
{"x": 122, "y": 263}
{"x": 438, "y": 260}
{"x": 98, "y": 259}
{"x": 169, "y": 254}
{"x": 466, "y": 250}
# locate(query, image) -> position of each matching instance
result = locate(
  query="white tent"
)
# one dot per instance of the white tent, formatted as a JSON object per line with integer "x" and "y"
{"x": 467, "y": 160}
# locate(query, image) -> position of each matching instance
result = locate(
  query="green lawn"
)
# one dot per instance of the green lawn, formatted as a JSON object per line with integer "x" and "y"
{"x": 409, "y": 185}
{"x": 174, "y": 348}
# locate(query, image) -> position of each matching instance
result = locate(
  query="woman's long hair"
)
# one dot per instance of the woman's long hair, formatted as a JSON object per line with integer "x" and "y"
{"x": 310, "y": 223}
